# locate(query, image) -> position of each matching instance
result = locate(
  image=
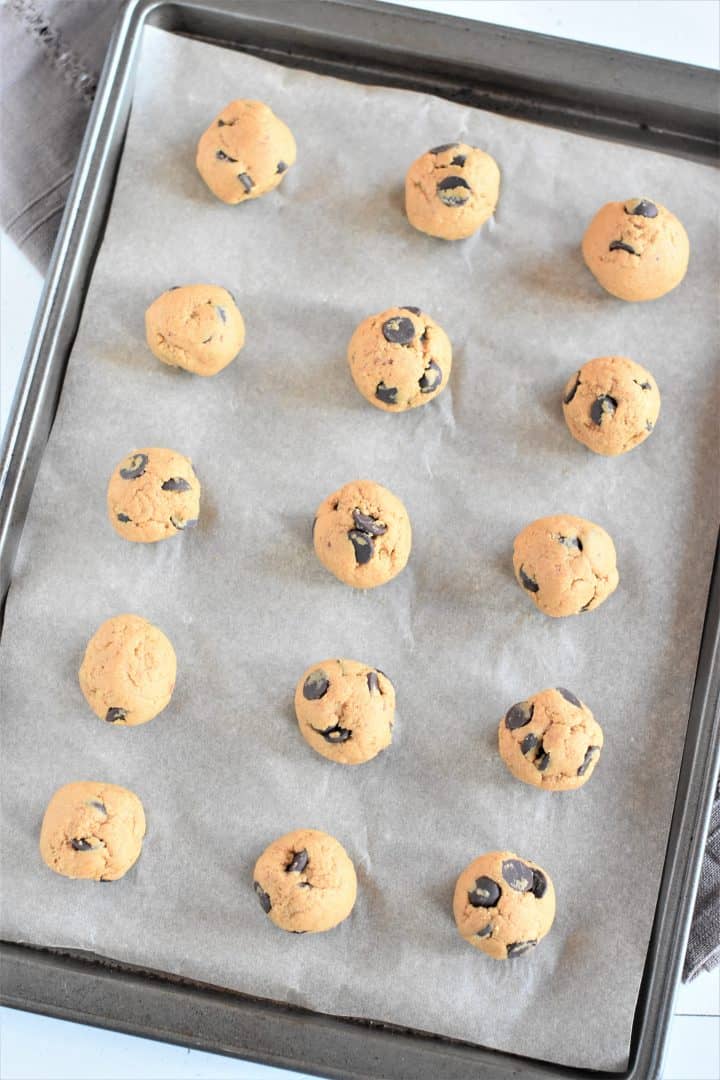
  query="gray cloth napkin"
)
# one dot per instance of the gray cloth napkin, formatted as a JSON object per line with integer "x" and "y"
{"x": 51, "y": 53}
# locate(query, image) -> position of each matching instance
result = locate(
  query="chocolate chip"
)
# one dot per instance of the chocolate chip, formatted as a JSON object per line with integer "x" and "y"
{"x": 298, "y": 863}
{"x": 539, "y": 885}
{"x": 571, "y": 542}
{"x": 519, "y": 947}
{"x": 643, "y": 385}
{"x": 176, "y": 483}
{"x": 453, "y": 191}
{"x": 367, "y": 524}
{"x": 569, "y": 697}
{"x": 281, "y": 167}
{"x": 414, "y": 310}
{"x": 316, "y": 685}
{"x": 486, "y": 892}
{"x": 569, "y": 396}
{"x": 443, "y": 148}
{"x": 372, "y": 681}
{"x": 263, "y": 897}
{"x": 529, "y": 743}
{"x": 178, "y": 523}
{"x": 222, "y": 156}
{"x": 97, "y": 805}
{"x": 334, "y": 734}
{"x": 641, "y": 208}
{"x": 542, "y": 760}
{"x": 388, "y": 394}
{"x": 172, "y": 288}
{"x": 620, "y": 245}
{"x": 114, "y": 715}
{"x": 398, "y": 330}
{"x": 138, "y": 464}
{"x": 82, "y": 845}
{"x": 363, "y": 545}
{"x": 124, "y": 518}
{"x": 246, "y": 181}
{"x": 431, "y": 378}
{"x": 518, "y": 875}
{"x": 459, "y": 160}
{"x": 221, "y": 312}
{"x": 528, "y": 583}
{"x": 590, "y": 754}
{"x": 485, "y": 932}
{"x": 227, "y": 123}
{"x": 520, "y": 715}
{"x": 602, "y": 406}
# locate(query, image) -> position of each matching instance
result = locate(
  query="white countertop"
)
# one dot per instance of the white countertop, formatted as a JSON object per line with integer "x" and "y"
{"x": 38, "y": 1048}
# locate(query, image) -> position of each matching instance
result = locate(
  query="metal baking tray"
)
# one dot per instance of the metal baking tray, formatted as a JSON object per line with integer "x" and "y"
{"x": 601, "y": 92}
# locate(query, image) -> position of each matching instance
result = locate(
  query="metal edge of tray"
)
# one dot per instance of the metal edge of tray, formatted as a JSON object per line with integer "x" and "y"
{"x": 659, "y": 104}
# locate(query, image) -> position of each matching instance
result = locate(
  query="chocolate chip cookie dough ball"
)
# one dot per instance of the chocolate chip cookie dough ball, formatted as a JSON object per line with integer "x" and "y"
{"x": 153, "y": 494}
{"x": 565, "y": 564}
{"x": 637, "y": 250}
{"x": 196, "y": 327}
{"x": 305, "y": 882}
{"x": 611, "y": 405}
{"x": 504, "y": 905}
{"x": 92, "y": 830}
{"x": 128, "y": 671}
{"x": 362, "y": 534}
{"x": 551, "y": 740}
{"x": 400, "y": 359}
{"x": 451, "y": 191}
{"x": 245, "y": 152}
{"x": 345, "y": 710}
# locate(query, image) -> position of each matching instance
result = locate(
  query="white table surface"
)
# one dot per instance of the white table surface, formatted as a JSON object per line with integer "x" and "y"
{"x": 38, "y": 1048}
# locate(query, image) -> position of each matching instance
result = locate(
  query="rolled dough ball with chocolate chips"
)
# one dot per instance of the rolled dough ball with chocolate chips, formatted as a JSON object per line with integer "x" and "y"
{"x": 345, "y": 710}
{"x": 565, "y": 564}
{"x": 92, "y": 830}
{"x": 637, "y": 250}
{"x": 128, "y": 671}
{"x": 305, "y": 882}
{"x": 551, "y": 741}
{"x": 245, "y": 152}
{"x": 196, "y": 327}
{"x": 504, "y": 905}
{"x": 153, "y": 494}
{"x": 400, "y": 359}
{"x": 451, "y": 191}
{"x": 362, "y": 534}
{"x": 611, "y": 405}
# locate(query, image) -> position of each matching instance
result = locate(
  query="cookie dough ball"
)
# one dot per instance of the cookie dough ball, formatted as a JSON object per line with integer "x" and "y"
{"x": 196, "y": 327}
{"x": 345, "y": 710}
{"x": 92, "y": 830}
{"x": 611, "y": 405}
{"x": 153, "y": 494}
{"x": 451, "y": 191}
{"x": 128, "y": 671}
{"x": 551, "y": 740}
{"x": 637, "y": 250}
{"x": 400, "y": 359}
{"x": 362, "y": 534}
{"x": 565, "y": 564}
{"x": 305, "y": 882}
{"x": 245, "y": 152}
{"x": 504, "y": 905}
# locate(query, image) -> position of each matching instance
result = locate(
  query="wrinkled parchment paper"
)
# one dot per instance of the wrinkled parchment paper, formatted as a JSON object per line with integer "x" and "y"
{"x": 248, "y": 607}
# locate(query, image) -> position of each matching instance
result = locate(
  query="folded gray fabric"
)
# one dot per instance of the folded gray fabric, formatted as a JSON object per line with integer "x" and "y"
{"x": 51, "y": 55}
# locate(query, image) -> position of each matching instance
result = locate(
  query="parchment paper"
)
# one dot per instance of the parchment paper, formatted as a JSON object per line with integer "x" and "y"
{"x": 224, "y": 770}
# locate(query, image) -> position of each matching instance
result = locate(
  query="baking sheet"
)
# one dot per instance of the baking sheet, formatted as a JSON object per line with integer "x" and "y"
{"x": 248, "y": 607}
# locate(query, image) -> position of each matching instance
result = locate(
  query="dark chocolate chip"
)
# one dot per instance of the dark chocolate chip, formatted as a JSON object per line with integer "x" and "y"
{"x": 372, "y": 681}
{"x": 518, "y": 875}
{"x": 539, "y": 885}
{"x": 414, "y": 310}
{"x": 602, "y": 406}
{"x": 124, "y": 518}
{"x": 363, "y": 545}
{"x": 542, "y": 760}
{"x": 485, "y": 932}
{"x": 520, "y": 715}
{"x": 388, "y": 394}
{"x": 82, "y": 845}
{"x": 528, "y": 583}
{"x": 298, "y": 862}
{"x": 262, "y": 896}
{"x": 453, "y": 191}
{"x": 176, "y": 483}
{"x": 517, "y": 948}
{"x": 178, "y": 523}
{"x": 334, "y": 734}
{"x": 590, "y": 753}
{"x": 398, "y": 330}
{"x": 298, "y": 931}
{"x": 529, "y": 743}
{"x": 246, "y": 181}
{"x": 569, "y": 696}
{"x": 316, "y": 685}
{"x": 97, "y": 805}
{"x": 431, "y": 378}
{"x": 227, "y": 123}
{"x": 641, "y": 208}
{"x": 459, "y": 160}
{"x": 443, "y": 148}
{"x": 367, "y": 524}
{"x": 643, "y": 385}
{"x": 222, "y": 156}
{"x": 486, "y": 892}
{"x": 571, "y": 542}
{"x": 281, "y": 167}
{"x": 113, "y": 715}
{"x": 138, "y": 464}
{"x": 571, "y": 394}
{"x": 620, "y": 245}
